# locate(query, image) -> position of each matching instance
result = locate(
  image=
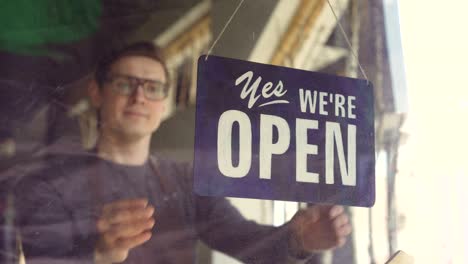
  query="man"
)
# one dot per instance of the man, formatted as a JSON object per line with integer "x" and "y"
{"x": 121, "y": 204}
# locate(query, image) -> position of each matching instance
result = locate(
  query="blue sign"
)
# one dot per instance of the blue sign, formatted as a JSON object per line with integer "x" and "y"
{"x": 271, "y": 132}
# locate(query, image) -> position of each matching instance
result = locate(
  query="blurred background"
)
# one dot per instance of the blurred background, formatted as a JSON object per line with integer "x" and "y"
{"x": 412, "y": 51}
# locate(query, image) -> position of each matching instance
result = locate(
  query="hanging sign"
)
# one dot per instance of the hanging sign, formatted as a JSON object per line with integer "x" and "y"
{"x": 271, "y": 132}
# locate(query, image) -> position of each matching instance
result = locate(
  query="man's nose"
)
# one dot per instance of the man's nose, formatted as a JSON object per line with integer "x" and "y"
{"x": 138, "y": 95}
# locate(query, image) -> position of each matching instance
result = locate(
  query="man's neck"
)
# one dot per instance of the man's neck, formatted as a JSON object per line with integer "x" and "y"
{"x": 131, "y": 152}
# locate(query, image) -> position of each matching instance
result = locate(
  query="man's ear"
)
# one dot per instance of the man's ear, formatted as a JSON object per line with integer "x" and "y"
{"x": 94, "y": 93}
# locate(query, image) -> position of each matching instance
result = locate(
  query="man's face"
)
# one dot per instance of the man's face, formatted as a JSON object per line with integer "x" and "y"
{"x": 130, "y": 116}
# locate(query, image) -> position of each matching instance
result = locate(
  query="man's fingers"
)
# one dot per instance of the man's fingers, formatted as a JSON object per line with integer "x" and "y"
{"x": 123, "y": 216}
{"x": 131, "y": 229}
{"x": 123, "y": 237}
{"x": 340, "y": 220}
{"x": 341, "y": 242}
{"x": 335, "y": 211}
{"x": 129, "y": 215}
{"x": 344, "y": 230}
{"x": 131, "y": 242}
{"x": 125, "y": 204}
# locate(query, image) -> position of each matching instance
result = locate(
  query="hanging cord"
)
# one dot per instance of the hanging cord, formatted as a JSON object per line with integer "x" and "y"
{"x": 348, "y": 42}
{"x": 224, "y": 28}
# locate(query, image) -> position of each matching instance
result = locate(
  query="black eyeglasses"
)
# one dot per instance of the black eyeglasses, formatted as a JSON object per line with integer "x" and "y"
{"x": 126, "y": 85}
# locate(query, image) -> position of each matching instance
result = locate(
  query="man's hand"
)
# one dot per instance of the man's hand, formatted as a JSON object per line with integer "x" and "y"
{"x": 319, "y": 228}
{"x": 122, "y": 226}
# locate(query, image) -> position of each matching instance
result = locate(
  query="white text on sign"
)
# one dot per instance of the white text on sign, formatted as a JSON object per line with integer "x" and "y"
{"x": 311, "y": 101}
{"x": 333, "y": 137}
{"x": 343, "y": 105}
{"x": 251, "y": 90}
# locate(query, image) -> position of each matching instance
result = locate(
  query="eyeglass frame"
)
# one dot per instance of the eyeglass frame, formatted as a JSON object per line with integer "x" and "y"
{"x": 139, "y": 82}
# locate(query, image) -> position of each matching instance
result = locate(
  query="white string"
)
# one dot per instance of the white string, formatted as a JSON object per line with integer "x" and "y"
{"x": 224, "y": 28}
{"x": 348, "y": 42}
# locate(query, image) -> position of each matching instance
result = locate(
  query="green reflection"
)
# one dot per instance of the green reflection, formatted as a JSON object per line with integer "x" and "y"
{"x": 27, "y": 26}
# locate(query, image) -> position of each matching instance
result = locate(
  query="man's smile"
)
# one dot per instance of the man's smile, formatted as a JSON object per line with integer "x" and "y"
{"x": 134, "y": 113}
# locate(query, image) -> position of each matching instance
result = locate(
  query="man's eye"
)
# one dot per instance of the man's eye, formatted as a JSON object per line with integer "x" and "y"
{"x": 154, "y": 88}
{"x": 123, "y": 86}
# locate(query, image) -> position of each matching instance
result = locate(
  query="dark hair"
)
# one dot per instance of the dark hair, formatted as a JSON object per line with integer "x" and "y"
{"x": 144, "y": 49}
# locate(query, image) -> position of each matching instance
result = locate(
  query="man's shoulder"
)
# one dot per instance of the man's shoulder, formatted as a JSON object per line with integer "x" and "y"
{"x": 68, "y": 163}
{"x": 54, "y": 169}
